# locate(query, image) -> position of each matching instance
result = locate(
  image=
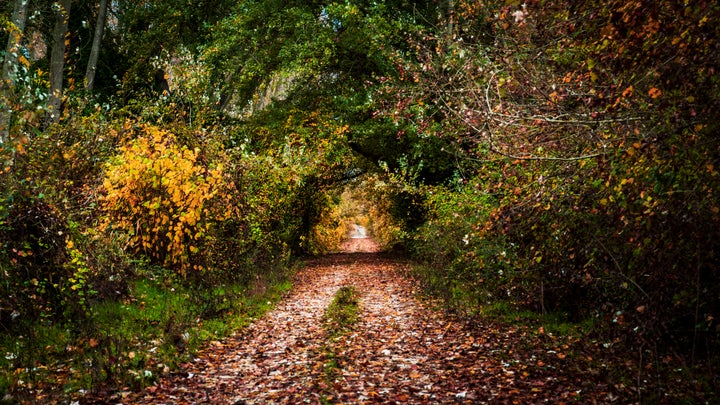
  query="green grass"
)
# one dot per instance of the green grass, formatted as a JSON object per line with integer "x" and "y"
{"x": 340, "y": 317}
{"x": 127, "y": 343}
{"x": 469, "y": 299}
{"x": 342, "y": 313}
{"x": 553, "y": 322}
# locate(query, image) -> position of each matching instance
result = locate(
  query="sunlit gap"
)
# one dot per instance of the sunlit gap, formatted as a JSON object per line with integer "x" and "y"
{"x": 355, "y": 218}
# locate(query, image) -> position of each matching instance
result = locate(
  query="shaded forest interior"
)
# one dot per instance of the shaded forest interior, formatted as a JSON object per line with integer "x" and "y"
{"x": 167, "y": 165}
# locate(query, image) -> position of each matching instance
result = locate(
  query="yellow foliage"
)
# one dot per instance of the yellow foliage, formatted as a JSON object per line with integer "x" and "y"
{"x": 164, "y": 197}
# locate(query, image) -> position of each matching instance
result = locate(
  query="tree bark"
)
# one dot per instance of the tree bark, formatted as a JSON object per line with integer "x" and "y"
{"x": 57, "y": 59}
{"x": 19, "y": 17}
{"x": 95, "y": 50}
{"x": 450, "y": 18}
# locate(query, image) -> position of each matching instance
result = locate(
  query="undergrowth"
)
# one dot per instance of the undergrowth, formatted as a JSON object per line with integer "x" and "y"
{"x": 127, "y": 343}
{"x": 636, "y": 372}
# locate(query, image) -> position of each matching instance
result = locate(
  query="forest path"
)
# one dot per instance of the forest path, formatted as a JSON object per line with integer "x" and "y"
{"x": 399, "y": 351}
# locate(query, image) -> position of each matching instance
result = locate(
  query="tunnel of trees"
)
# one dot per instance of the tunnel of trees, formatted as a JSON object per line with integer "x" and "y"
{"x": 558, "y": 157}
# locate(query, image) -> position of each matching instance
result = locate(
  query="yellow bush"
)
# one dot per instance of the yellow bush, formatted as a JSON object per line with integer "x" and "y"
{"x": 330, "y": 232}
{"x": 165, "y": 198}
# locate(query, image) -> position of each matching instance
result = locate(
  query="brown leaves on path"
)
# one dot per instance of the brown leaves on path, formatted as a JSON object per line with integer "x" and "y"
{"x": 400, "y": 351}
{"x": 355, "y": 245}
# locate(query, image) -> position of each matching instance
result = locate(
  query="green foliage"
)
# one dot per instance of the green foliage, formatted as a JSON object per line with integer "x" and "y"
{"x": 131, "y": 342}
{"x": 146, "y": 35}
{"x": 459, "y": 263}
{"x": 254, "y": 41}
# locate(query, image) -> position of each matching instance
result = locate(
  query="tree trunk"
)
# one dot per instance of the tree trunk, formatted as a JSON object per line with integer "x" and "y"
{"x": 95, "y": 50}
{"x": 9, "y": 67}
{"x": 450, "y": 19}
{"x": 57, "y": 59}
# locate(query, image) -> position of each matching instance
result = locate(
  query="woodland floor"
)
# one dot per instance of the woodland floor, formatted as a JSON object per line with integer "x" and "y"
{"x": 400, "y": 351}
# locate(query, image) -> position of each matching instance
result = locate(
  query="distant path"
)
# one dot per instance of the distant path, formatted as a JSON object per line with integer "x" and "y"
{"x": 399, "y": 352}
{"x": 359, "y": 242}
{"x": 359, "y": 231}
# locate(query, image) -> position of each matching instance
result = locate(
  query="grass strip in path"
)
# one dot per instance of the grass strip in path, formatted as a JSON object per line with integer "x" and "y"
{"x": 340, "y": 317}
{"x": 342, "y": 313}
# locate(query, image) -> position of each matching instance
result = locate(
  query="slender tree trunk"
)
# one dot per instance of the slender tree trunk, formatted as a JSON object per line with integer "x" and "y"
{"x": 95, "y": 50}
{"x": 57, "y": 59}
{"x": 9, "y": 67}
{"x": 451, "y": 18}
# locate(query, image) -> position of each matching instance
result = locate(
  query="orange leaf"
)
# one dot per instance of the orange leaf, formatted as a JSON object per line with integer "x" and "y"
{"x": 628, "y": 92}
{"x": 654, "y": 92}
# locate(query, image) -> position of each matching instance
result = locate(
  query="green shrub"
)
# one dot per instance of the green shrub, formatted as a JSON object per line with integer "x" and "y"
{"x": 459, "y": 263}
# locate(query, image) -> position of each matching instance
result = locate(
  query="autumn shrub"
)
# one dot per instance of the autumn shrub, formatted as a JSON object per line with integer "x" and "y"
{"x": 54, "y": 261}
{"x": 269, "y": 222}
{"x": 458, "y": 263}
{"x": 33, "y": 256}
{"x": 331, "y": 230}
{"x": 631, "y": 243}
{"x": 166, "y": 198}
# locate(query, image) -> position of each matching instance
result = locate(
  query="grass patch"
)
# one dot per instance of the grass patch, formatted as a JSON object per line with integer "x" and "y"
{"x": 340, "y": 317}
{"x": 126, "y": 344}
{"x": 470, "y": 299}
{"x": 556, "y": 323}
{"x": 342, "y": 313}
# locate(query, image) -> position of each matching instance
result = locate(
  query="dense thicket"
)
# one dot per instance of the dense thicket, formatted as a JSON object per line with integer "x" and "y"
{"x": 557, "y": 155}
{"x": 588, "y": 184}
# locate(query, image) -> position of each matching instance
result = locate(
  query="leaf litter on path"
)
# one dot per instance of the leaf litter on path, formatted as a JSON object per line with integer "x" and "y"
{"x": 400, "y": 351}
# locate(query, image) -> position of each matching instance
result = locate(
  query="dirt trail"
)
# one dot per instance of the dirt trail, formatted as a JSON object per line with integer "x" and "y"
{"x": 399, "y": 352}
